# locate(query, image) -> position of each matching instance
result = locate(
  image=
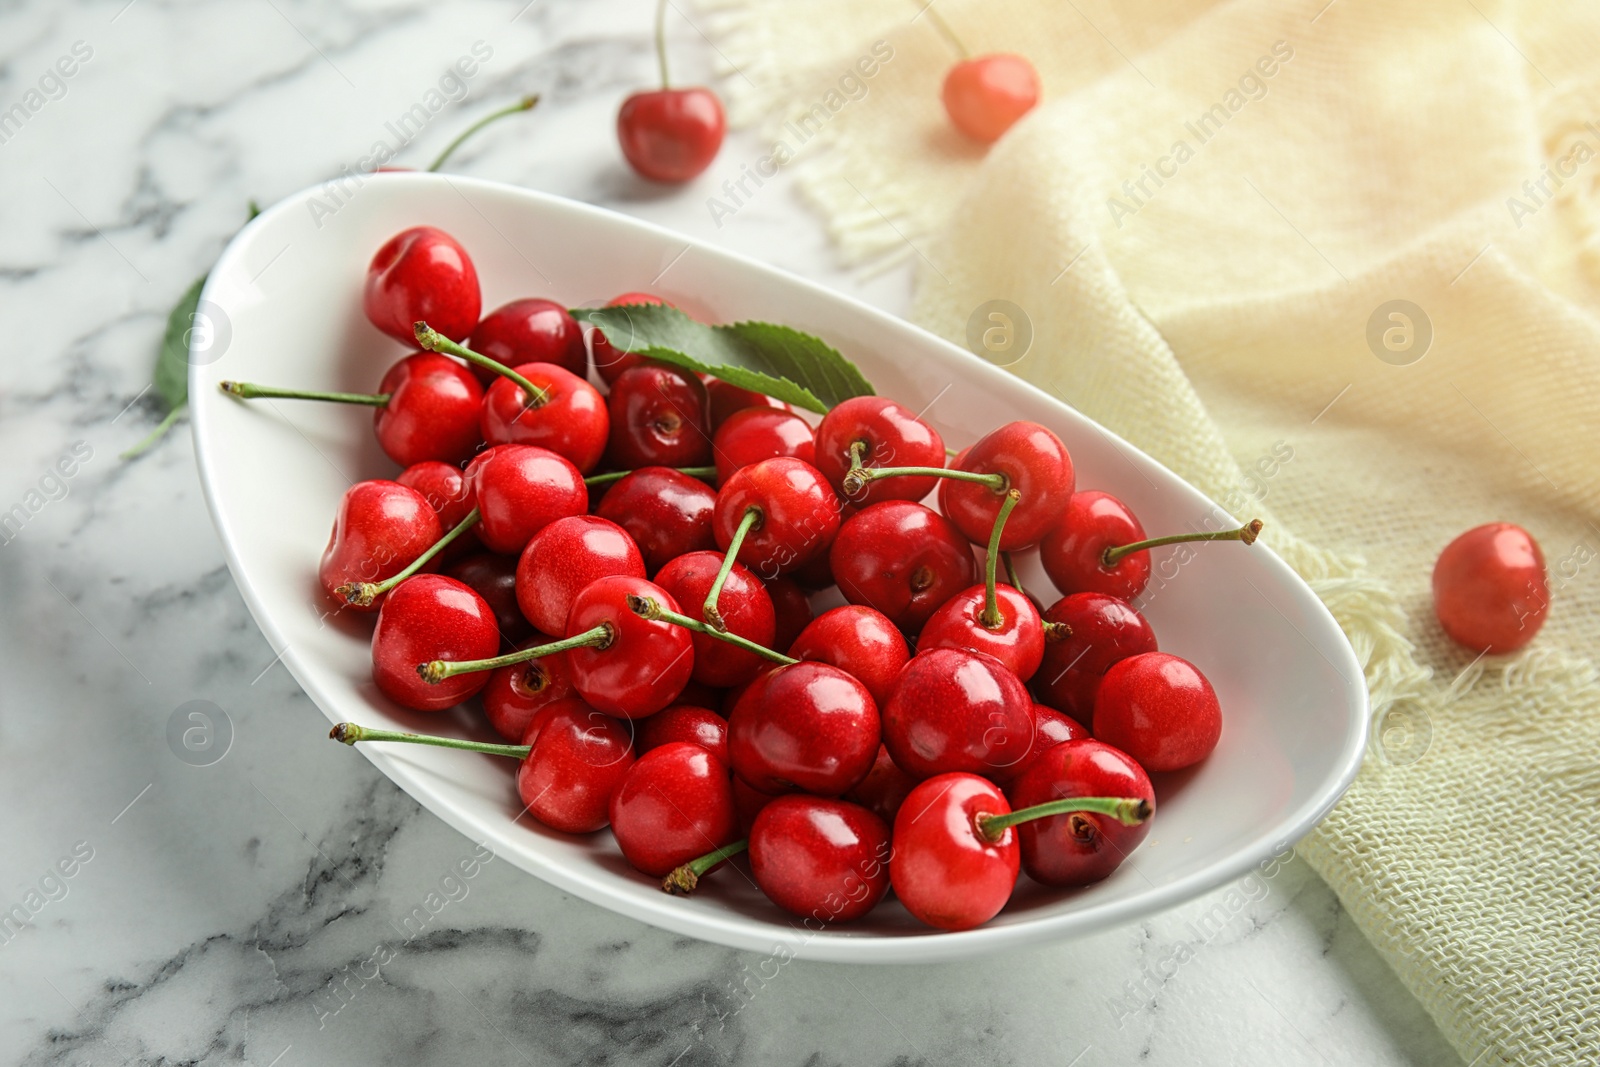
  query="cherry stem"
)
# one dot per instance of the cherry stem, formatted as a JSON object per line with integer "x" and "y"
{"x": 682, "y": 881}
{"x": 1011, "y": 571}
{"x": 1130, "y": 811}
{"x": 648, "y": 608}
{"x": 855, "y": 479}
{"x": 527, "y": 103}
{"x": 991, "y": 617}
{"x": 949, "y": 33}
{"x": 438, "y": 670}
{"x": 703, "y": 473}
{"x": 1246, "y": 533}
{"x": 349, "y": 733}
{"x": 434, "y": 341}
{"x": 251, "y": 391}
{"x": 661, "y": 40}
{"x": 751, "y": 520}
{"x": 1056, "y": 631}
{"x": 362, "y": 594}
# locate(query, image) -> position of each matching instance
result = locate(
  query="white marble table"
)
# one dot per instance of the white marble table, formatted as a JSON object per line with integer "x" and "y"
{"x": 212, "y": 911}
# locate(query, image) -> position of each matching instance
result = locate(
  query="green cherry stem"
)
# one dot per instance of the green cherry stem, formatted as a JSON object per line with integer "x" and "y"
{"x": 438, "y": 670}
{"x": 682, "y": 881}
{"x": 703, "y": 473}
{"x": 1130, "y": 811}
{"x": 750, "y": 521}
{"x": 362, "y": 594}
{"x": 949, "y": 33}
{"x": 661, "y": 40}
{"x": 349, "y": 733}
{"x": 1011, "y": 571}
{"x": 991, "y": 617}
{"x": 434, "y": 341}
{"x": 527, "y": 103}
{"x": 647, "y": 608}
{"x": 856, "y": 478}
{"x": 251, "y": 391}
{"x": 1246, "y": 533}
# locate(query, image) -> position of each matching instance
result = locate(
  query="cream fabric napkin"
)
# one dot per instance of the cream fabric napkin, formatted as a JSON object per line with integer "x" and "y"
{"x": 1209, "y": 224}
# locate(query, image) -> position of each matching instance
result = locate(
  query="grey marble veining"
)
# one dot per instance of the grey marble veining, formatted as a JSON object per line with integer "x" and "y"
{"x": 286, "y": 904}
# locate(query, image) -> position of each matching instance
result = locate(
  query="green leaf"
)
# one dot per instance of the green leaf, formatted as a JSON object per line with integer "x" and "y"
{"x": 779, "y": 361}
{"x": 171, "y": 378}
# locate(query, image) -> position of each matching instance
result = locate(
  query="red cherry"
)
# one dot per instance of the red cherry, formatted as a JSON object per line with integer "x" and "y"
{"x": 957, "y": 710}
{"x": 529, "y": 331}
{"x": 821, "y": 859}
{"x": 884, "y": 788}
{"x": 495, "y": 579}
{"x": 422, "y": 274}
{"x": 518, "y": 693}
{"x": 1079, "y": 847}
{"x": 787, "y": 511}
{"x": 745, "y": 608}
{"x": 675, "y": 804}
{"x": 1073, "y": 551}
{"x": 578, "y": 759}
{"x": 946, "y": 871}
{"x": 562, "y": 559}
{"x": 1489, "y": 588}
{"x": 685, "y": 722}
{"x": 645, "y": 663}
{"x": 1026, "y": 457}
{"x": 727, "y": 400}
{"x": 885, "y": 434}
{"x": 432, "y": 411}
{"x": 520, "y": 490}
{"x": 817, "y": 575}
{"x": 671, "y": 135}
{"x": 638, "y": 298}
{"x": 807, "y": 726}
{"x": 1159, "y": 709}
{"x": 1017, "y": 640}
{"x": 985, "y": 95}
{"x": 666, "y": 512}
{"x": 747, "y": 803}
{"x": 569, "y": 418}
{"x": 903, "y": 560}
{"x": 380, "y": 528}
{"x": 754, "y": 434}
{"x": 859, "y": 640}
{"x": 1089, "y": 633}
{"x": 609, "y": 360}
{"x": 792, "y": 610}
{"x": 444, "y": 486}
{"x": 430, "y": 617}
{"x": 659, "y": 418}
{"x": 1050, "y": 728}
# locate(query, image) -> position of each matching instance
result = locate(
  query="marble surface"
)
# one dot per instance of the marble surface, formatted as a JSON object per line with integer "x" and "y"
{"x": 250, "y": 910}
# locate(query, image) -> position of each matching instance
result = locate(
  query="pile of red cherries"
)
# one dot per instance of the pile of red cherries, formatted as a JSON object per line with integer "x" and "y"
{"x": 625, "y": 579}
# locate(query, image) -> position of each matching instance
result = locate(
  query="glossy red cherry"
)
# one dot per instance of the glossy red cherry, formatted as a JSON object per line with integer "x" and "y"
{"x": 754, "y": 434}
{"x": 726, "y": 400}
{"x": 1089, "y": 632}
{"x": 786, "y": 510}
{"x": 517, "y": 693}
{"x": 791, "y": 608}
{"x": 671, "y": 135}
{"x": 578, "y": 760}
{"x": 609, "y": 360}
{"x": 430, "y": 617}
{"x": 806, "y": 726}
{"x": 676, "y": 803}
{"x": 1159, "y": 709}
{"x": 903, "y": 560}
{"x": 884, "y": 788}
{"x": 858, "y": 640}
{"x": 666, "y": 512}
{"x": 957, "y": 710}
{"x": 530, "y": 331}
{"x": 1079, "y": 847}
{"x": 644, "y": 664}
{"x": 820, "y": 859}
{"x": 1026, "y": 457}
{"x": 1050, "y": 728}
{"x": 947, "y": 872}
{"x": 747, "y": 803}
{"x": 495, "y": 579}
{"x": 1490, "y": 590}
{"x": 569, "y": 416}
{"x": 432, "y": 412}
{"x": 884, "y": 434}
{"x": 685, "y": 722}
{"x": 745, "y": 608}
{"x": 381, "y": 526}
{"x": 1073, "y": 551}
{"x": 985, "y": 95}
{"x": 1017, "y": 639}
{"x": 445, "y": 488}
{"x": 422, "y": 274}
{"x": 562, "y": 559}
{"x": 659, "y": 419}
{"x": 520, "y": 490}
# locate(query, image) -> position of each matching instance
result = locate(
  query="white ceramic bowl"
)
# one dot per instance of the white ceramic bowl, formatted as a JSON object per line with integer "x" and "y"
{"x": 286, "y": 302}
